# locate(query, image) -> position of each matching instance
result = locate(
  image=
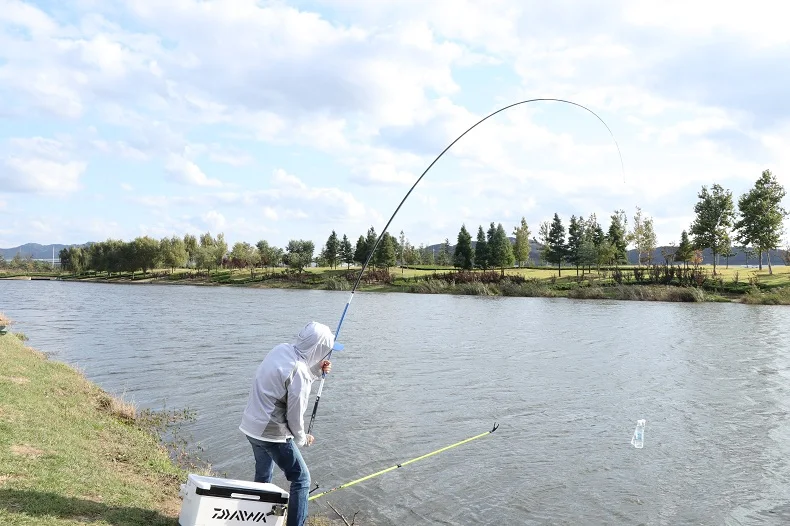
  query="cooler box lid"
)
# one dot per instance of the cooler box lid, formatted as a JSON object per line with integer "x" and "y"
{"x": 230, "y": 488}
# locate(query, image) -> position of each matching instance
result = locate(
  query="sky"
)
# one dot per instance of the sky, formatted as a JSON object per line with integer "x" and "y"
{"x": 287, "y": 120}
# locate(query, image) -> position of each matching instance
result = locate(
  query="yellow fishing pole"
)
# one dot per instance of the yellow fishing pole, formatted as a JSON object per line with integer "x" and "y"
{"x": 396, "y": 466}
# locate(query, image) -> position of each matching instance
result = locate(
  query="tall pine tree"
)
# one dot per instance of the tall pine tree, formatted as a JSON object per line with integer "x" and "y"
{"x": 556, "y": 243}
{"x": 500, "y": 249}
{"x": 481, "y": 249}
{"x": 575, "y": 240}
{"x": 617, "y": 236}
{"x": 346, "y": 251}
{"x": 464, "y": 253}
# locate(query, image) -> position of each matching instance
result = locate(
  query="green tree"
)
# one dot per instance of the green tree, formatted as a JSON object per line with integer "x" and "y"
{"x": 521, "y": 247}
{"x": 464, "y": 253}
{"x": 401, "y": 247}
{"x": 72, "y": 259}
{"x": 220, "y": 249}
{"x": 643, "y": 236}
{"x": 588, "y": 254}
{"x": 332, "y": 250}
{"x": 299, "y": 253}
{"x": 606, "y": 253}
{"x": 649, "y": 240}
{"x": 385, "y": 252}
{"x": 346, "y": 252}
{"x": 173, "y": 252}
{"x": 715, "y": 215}
{"x": 119, "y": 255}
{"x": 17, "y": 262}
{"x": 618, "y": 237}
{"x": 685, "y": 250}
{"x": 264, "y": 253}
{"x": 146, "y": 253}
{"x": 370, "y": 245}
{"x": 411, "y": 255}
{"x": 762, "y": 216}
{"x": 361, "y": 251}
{"x": 594, "y": 233}
{"x": 481, "y": 250}
{"x": 270, "y": 256}
{"x": 426, "y": 255}
{"x": 444, "y": 254}
{"x": 277, "y": 255}
{"x": 490, "y": 238}
{"x": 191, "y": 246}
{"x": 244, "y": 255}
{"x": 575, "y": 240}
{"x": 556, "y": 243}
{"x": 205, "y": 253}
{"x": 501, "y": 250}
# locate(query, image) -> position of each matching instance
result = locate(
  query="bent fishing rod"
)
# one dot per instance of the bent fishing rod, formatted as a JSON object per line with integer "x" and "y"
{"x": 337, "y": 346}
{"x": 396, "y": 466}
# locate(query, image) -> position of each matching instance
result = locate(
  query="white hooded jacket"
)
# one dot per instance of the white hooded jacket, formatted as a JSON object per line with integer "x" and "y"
{"x": 281, "y": 388}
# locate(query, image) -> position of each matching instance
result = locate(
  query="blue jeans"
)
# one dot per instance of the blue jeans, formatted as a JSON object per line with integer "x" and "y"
{"x": 288, "y": 458}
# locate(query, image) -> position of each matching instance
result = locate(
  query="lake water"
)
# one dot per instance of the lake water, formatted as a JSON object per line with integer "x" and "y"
{"x": 567, "y": 380}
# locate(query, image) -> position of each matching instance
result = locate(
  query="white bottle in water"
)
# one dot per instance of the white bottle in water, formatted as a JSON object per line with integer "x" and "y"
{"x": 638, "y": 440}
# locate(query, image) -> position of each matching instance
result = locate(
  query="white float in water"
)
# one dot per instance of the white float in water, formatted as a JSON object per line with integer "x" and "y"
{"x": 638, "y": 440}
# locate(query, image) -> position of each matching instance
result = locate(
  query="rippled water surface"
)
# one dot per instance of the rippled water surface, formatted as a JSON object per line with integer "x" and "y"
{"x": 566, "y": 380}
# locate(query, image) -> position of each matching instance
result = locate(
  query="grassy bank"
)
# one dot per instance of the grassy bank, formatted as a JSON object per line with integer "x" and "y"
{"x": 658, "y": 283}
{"x": 72, "y": 454}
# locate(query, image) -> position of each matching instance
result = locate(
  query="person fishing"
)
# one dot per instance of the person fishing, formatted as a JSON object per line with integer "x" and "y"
{"x": 273, "y": 419}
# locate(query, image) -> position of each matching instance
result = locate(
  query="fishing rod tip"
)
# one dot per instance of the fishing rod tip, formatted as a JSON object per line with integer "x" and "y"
{"x": 496, "y": 426}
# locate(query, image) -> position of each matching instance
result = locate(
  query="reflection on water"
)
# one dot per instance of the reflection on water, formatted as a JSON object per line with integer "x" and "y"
{"x": 566, "y": 380}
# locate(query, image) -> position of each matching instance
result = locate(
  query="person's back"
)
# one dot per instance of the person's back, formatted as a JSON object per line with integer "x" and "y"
{"x": 273, "y": 420}
{"x": 265, "y": 416}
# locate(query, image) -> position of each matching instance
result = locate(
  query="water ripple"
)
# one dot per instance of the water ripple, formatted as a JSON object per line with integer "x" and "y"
{"x": 566, "y": 380}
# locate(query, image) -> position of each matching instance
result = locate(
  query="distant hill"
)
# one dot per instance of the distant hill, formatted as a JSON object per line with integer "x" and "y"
{"x": 707, "y": 256}
{"x": 36, "y": 251}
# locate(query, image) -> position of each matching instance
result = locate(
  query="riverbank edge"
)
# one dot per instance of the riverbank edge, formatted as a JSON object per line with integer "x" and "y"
{"x": 72, "y": 453}
{"x": 535, "y": 288}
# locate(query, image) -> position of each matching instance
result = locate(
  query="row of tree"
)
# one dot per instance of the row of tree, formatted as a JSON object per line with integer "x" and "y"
{"x": 25, "y": 264}
{"x": 758, "y": 222}
{"x": 583, "y": 245}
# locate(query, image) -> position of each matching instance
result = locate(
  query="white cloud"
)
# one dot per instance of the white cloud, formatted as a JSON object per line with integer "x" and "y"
{"x": 270, "y": 213}
{"x": 126, "y": 187}
{"x": 374, "y": 93}
{"x": 119, "y": 149}
{"x": 24, "y": 174}
{"x": 281, "y": 178}
{"x": 214, "y": 220}
{"x": 187, "y": 172}
{"x": 236, "y": 160}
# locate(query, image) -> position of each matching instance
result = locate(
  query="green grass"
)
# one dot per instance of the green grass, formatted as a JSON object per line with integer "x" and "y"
{"x": 72, "y": 454}
{"x": 67, "y": 459}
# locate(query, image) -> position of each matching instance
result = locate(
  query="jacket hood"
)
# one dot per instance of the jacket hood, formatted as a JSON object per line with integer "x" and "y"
{"x": 313, "y": 343}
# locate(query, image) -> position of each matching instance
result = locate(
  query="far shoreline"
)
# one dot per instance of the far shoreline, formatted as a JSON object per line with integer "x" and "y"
{"x": 621, "y": 283}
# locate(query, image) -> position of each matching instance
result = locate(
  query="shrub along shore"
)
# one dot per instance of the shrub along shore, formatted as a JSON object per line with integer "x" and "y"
{"x": 70, "y": 453}
{"x": 653, "y": 283}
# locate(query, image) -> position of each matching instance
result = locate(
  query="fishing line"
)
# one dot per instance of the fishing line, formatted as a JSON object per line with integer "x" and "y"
{"x": 337, "y": 346}
{"x": 396, "y": 466}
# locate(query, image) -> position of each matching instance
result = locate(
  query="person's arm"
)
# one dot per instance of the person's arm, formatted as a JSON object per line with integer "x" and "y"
{"x": 298, "y": 398}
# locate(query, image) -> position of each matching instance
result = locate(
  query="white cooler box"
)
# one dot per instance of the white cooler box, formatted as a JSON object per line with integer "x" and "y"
{"x": 210, "y": 501}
